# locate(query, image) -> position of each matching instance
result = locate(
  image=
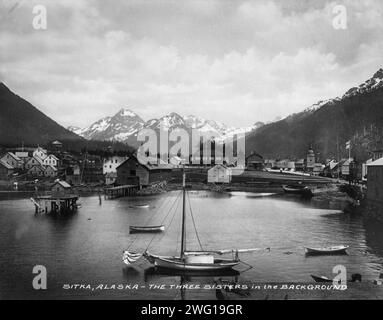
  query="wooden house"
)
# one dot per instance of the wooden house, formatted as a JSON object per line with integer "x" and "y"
{"x": 6, "y": 170}
{"x": 254, "y": 161}
{"x": 375, "y": 183}
{"x": 133, "y": 172}
{"x": 13, "y": 160}
{"x": 36, "y": 171}
{"x": 51, "y": 160}
{"x": 34, "y": 161}
{"x": 50, "y": 171}
{"x": 40, "y": 153}
{"x": 219, "y": 174}
{"x": 61, "y": 188}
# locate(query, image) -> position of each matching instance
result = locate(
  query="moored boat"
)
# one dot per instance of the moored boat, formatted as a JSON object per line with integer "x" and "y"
{"x": 341, "y": 249}
{"x": 139, "y": 206}
{"x": 189, "y": 261}
{"x": 320, "y": 278}
{"x": 298, "y": 189}
{"x": 146, "y": 229}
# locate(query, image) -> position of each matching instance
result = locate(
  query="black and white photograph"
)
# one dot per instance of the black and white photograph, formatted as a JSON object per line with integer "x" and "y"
{"x": 198, "y": 150}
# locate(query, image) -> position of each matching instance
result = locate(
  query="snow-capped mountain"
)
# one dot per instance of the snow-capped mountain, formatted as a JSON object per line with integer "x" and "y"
{"x": 369, "y": 85}
{"x": 119, "y": 127}
{"x": 125, "y": 125}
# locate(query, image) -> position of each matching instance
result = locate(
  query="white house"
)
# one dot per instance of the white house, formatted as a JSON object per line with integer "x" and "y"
{"x": 219, "y": 174}
{"x": 110, "y": 164}
{"x": 51, "y": 160}
{"x": 40, "y": 153}
{"x": 11, "y": 159}
{"x": 34, "y": 161}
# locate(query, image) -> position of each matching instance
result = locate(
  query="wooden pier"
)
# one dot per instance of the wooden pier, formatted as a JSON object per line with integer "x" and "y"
{"x": 64, "y": 204}
{"x": 121, "y": 191}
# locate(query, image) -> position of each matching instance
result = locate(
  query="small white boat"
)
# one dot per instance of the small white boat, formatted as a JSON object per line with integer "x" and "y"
{"x": 146, "y": 229}
{"x": 191, "y": 262}
{"x": 326, "y": 250}
{"x": 140, "y": 206}
{"x": 320, "y": 278}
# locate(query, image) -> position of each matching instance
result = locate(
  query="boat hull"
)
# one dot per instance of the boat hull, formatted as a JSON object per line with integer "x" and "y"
{"x": 176, "y": 263}
{"x": 326, "y": 251}
{"x": 149, "y": 229}
{"x": 321, "y": 279}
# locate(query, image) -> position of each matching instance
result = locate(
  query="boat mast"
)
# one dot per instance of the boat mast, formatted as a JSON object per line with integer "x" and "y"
{"x": 183, "y": 236}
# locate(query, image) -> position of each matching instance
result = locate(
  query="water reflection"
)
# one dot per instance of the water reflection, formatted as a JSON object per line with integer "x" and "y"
{"x": 87, "y": 246}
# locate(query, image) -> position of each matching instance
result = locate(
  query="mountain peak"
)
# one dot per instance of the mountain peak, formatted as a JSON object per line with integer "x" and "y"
{"x": 124, "y": 112}
{"x": 379, "y": 74}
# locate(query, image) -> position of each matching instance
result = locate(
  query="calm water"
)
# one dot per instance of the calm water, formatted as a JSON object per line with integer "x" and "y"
{"x": 86, "y": 248}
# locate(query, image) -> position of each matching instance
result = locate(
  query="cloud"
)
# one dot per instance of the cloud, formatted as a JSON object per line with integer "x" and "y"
{"x": 238, "y": 62}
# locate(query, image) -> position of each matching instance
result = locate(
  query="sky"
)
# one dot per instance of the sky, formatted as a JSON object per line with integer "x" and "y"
{"x": 237, "y": 62}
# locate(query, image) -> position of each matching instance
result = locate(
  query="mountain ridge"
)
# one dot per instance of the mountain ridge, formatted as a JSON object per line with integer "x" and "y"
{"x": 21, "y": 122}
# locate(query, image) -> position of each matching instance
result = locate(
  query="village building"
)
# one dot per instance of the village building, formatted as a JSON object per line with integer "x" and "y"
{"x": 22, "y": 154}
{"x": 219, "y": 174}
{"x": 51, "y": 160}
{"x": 36, "y": 171}
{"x": 346, "y": 168}
{"x": 133, "y": 172}
{"x": 73, "y": 175}
{"x": 282, "y": 164}
{"x": 40, "y": 153}
{"x": 300, "y": 165}
{"x": 6, "y": 170}
{"x": 110, "y": 178}
{"x": 34, "y": 161}
{"x": 310, "y": 160}
{"x": 375, "y": 183}
{"x": 92, "y": 169}
{"x": 377, "y": 154}
{"x": 254, "y": 161}
{"x": 365, "y": 168}
{"x": 57, "y": 145}
{"x": 50, "y": 171}
{"x": 12, "y": 160}
{"x": 318, "y": 169}
{"x": 61, "y": 188}
{"x": 110, "y": 164}
{"x": 270, "y": 163}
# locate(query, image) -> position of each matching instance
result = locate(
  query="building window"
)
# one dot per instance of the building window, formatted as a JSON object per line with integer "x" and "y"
{"x": 132, "y": 172}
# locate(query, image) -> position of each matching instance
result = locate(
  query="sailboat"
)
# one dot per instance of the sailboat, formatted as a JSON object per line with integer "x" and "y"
{"x": 190, "y": 261}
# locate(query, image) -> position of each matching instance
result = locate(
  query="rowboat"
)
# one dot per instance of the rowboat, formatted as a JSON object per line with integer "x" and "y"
{"x": 302, "y": 190}
{"x": 298, "y": 189}
{"x": 189, "y": 261}
{"x": 326, "y": 250}
{"x": 320, "y": 278}
{"x": 146, "y": 229}
{"x": 140, "y": 206}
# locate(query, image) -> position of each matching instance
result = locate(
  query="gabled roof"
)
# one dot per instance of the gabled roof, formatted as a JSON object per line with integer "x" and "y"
{"x": 52, "y": 156}
{"x": 6, "y": 165}
{"x": 376, "y": 163}
{"x": 37, "y": 159}
{"x": 253, "y": 153}
{"x": 149, "y": 166}
{"x": 41, "y": 168}
{"x": 40, "y": 149}
{"x": 50, "y": 166}
{"x": 13, "y": 156}
{"x": 56, "y": 142}
{"x": 64, "y": 184}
